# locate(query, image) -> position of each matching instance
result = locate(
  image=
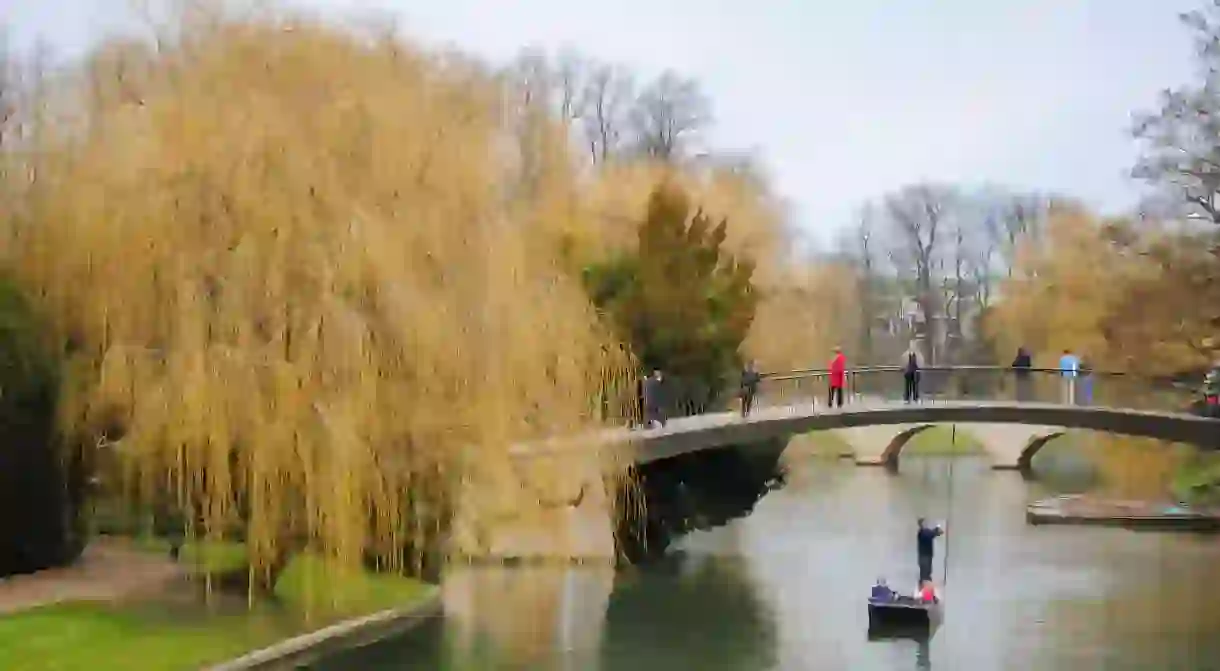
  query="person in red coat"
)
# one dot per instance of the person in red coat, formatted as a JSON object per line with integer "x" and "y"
{"x": 838, "y": 375}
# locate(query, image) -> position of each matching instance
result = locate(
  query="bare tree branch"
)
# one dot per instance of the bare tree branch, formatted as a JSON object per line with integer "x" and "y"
{"x": 668, "y": 116}
{"x": 1181, "y": 141}
{"x": 917, "y": 223}
{"x": 607, "y": 95}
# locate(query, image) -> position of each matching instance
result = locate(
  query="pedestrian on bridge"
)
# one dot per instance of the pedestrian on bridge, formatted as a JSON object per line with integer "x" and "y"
{"x": 1021, "y": 364}
{"x": 750, "y": 377}
{"x": 838, "y": 376}
{"x": 911, "y": 363}
{"x": 652, "y": 400}
{"x": 1085, "y": 383}
{"x": 1069, "y": 367}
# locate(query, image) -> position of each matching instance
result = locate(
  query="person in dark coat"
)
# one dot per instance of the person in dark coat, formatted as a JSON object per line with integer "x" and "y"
{"x": 750, "y": 378}
{"x": 1021, "y": 365}
{"x": 653, "y": 415}
{"x": 910, "y": 374}
{"x": 640, "y": 411}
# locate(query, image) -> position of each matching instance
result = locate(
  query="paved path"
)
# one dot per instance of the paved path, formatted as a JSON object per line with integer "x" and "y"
{"x": 109, "y": 569}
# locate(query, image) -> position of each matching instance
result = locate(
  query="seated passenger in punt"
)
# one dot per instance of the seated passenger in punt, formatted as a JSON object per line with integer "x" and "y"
{"x": 927, "y": 592}
{"x": 882, "y": 592}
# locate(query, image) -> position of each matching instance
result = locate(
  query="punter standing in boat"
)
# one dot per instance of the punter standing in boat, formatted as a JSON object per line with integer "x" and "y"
{"x": 925, "y": 543}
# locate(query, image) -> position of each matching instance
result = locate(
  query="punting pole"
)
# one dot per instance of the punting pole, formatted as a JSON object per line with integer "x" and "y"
{"x": 949, "y": 512}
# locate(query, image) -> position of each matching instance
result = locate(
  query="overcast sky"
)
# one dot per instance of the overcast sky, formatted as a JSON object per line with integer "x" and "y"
{"x": 842, "y": 100}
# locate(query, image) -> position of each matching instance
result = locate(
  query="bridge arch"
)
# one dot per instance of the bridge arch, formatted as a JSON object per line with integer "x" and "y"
{"x": 1009, "y": 446}
{"x": 1025, "y": 463}
{"x": 892, "y": 451}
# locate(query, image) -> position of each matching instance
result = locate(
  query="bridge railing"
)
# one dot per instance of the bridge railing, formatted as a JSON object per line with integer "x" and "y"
{"x": 979, "y": 383}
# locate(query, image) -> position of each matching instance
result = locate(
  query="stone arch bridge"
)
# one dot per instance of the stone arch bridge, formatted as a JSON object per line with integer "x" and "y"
{"x": 1011, "y": 433}
{"x": 1013, "y": 414}
{"x": 1008, "y": 446}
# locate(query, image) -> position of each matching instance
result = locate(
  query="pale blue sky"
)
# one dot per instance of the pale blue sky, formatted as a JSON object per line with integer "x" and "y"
{"x": 843, "y": 100}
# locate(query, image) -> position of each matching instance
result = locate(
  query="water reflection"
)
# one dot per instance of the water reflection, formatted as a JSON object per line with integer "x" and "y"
{"x": 527, "y": 617}
{"x": 691, "y": 611}
{"x": 783, "y": 589}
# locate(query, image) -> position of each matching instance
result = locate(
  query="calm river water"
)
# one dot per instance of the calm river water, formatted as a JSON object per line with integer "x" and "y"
{"x": 784, "y": 589}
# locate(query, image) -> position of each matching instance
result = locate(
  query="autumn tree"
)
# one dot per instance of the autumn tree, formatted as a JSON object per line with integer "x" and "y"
{"x": 237, "y": 283}
{"x": 680, "y": 299}
{"x": 1064, "y": 289}
{"x": 1177, "y": 303}
{"x": 1168, "y": 315}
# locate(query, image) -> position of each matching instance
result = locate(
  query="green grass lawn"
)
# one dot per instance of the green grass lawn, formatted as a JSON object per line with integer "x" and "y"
{"x": 938, "y": 440}
{"x": 309, "y": 584}
{"x": 80, "y": 636}
{"x": 164, "y": 637}
{"x": 1198, "y": 481}
{"x": 822, "y": 444}
{"x": 200, "y": 556}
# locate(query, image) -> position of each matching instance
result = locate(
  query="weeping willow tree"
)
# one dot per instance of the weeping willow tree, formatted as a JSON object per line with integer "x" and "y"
{"x": 291, "y": 297}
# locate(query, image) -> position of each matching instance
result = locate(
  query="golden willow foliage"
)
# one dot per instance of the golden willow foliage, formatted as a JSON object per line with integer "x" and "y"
{"x": 804, "y": 315}
{"x": 280, "y": 256}
{"x": 618, "y": 200}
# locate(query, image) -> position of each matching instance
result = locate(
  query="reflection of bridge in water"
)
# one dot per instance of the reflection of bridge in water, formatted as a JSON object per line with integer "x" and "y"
{"x": 1012, "y": 414}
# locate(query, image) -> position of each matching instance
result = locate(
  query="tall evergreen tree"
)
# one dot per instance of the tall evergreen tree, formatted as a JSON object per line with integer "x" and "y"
{"x": 41, "y": 489}
{"x": 682, "y": 301}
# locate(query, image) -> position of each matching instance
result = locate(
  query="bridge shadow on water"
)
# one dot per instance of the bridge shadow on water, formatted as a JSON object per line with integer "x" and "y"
{"x": 698, "y": 491}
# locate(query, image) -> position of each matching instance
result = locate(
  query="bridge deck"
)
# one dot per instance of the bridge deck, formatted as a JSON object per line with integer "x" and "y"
{"x": 710, "y": 430}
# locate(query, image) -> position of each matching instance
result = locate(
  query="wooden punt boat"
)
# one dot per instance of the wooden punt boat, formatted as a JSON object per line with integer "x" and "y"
{"x": 904, "y": 616}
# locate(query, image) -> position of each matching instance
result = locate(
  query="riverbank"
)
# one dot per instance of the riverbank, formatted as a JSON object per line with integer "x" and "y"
{"x": 1198, "y": 481}
{"x": 1096, "y": 511}
{"x": 128, "y": 609}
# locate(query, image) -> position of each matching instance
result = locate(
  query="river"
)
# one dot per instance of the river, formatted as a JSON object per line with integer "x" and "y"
{"x": 783, "y": 589}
